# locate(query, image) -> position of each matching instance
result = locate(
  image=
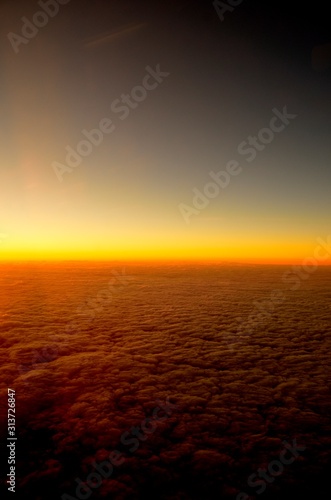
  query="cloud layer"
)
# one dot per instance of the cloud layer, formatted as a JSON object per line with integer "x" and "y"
{"x": 170, "y": 332}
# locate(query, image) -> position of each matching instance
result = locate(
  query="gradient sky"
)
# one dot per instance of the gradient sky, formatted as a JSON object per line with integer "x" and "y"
{"x": 225, "y": 79}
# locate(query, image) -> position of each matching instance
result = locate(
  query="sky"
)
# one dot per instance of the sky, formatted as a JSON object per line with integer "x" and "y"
{"x": 218, "y": 79}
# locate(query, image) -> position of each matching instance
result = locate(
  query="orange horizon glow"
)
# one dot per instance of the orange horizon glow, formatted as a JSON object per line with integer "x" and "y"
{"x": 163, "y": 261}
{"x": 195, "y": 245}
{"x": 209, "y": 247}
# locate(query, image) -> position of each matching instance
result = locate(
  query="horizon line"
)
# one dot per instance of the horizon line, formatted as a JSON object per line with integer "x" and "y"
{"x": 159, "y": 261}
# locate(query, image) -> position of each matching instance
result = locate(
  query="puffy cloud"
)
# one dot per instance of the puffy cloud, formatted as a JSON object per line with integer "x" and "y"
{"x": 169, "y": 333}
